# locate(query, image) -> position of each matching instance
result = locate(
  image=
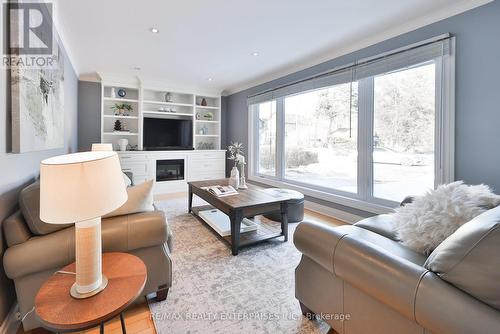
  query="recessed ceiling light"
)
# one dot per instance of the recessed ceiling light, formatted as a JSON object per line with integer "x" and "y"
{"x": 255, "y": 53}
{"x": 210, "y": 79}
{"x": 154, "y": 30}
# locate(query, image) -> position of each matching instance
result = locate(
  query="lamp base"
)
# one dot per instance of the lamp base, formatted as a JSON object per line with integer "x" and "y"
{"x": 77, "y": 295}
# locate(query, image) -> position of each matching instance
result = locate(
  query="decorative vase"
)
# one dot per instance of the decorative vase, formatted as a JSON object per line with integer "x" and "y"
{"x": 234, "y": 179}
{"x": 243, "y": 182}
{"x": 113, "y": 93}
{"x": 204, "y": 102}
{"x": 168, "y": 97}
{"x": 122, "y": 143}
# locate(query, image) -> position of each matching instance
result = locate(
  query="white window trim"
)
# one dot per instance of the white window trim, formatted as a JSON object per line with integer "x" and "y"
{"x": 445, "y": 148}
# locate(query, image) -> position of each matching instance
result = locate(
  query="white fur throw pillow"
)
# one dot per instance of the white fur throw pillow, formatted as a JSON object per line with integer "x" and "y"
{"x": 423, "y": 224}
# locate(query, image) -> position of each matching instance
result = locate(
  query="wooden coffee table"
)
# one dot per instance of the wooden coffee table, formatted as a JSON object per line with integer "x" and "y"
{"x": 59, "y": 312}
{"x": 247, "y": 203}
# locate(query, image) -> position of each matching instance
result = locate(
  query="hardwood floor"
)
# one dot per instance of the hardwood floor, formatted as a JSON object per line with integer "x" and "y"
{"x": 137, "y": 318}
{"x": 137, "y": 321}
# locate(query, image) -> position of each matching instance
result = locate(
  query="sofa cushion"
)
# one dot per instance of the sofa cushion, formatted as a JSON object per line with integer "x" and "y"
{"x": 470, "y": 258}
{"x": 29, "y": 202}
{"x": 140, "y": 199}
{"x": 55, "y": 250}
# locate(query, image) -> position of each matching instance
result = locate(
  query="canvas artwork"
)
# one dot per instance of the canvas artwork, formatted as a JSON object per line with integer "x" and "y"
{"x": 38, "y": 107}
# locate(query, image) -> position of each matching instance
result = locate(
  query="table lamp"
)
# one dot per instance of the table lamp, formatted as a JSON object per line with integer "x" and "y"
{"x": 80, "y": 188}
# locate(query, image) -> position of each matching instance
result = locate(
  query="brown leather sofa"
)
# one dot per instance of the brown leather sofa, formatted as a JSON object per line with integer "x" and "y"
{"x": 360, "y": 279}
{"x": 36, "y": 250}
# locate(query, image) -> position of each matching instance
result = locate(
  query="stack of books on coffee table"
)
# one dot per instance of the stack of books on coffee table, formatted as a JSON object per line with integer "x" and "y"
{"x": 221, "y": 191}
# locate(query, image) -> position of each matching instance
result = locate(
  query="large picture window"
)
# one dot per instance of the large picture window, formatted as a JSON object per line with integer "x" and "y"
{"x": 267, "y": 138}
{"x": 403, "y": 132}
{"x": 321, "y": 137}
{"x": 374, "y": 132}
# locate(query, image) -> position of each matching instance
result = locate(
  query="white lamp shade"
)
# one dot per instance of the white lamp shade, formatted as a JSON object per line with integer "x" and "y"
{"x": 80, "y": 186}
{"x": 102, "y": 147}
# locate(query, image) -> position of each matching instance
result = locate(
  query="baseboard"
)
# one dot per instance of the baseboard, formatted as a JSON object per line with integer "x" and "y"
{"x": 335, "y": 213}
{"x": 10, "y": 324}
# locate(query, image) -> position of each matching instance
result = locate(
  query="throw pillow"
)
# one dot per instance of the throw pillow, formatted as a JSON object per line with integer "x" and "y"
{"x": 140, "y": 199}
{"x": 127, "y": 180}
{"x": 426, "y": 222}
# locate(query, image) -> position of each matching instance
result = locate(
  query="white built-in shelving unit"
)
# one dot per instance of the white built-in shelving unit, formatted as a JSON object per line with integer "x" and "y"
{"x": 151, "y": 101}
{"x": 108, "y": 117}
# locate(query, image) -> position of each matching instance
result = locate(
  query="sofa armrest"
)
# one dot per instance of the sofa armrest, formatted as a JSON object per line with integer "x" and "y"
{"x": 170, "y": 236}
{"x": 55, "y": 250}
{"x": 134, "y": 231}
{"x": 381, "y": 224}
{"x": 15, "y": 229}
{"x": 388, "y": 277}
{"x": 318, "y": 241}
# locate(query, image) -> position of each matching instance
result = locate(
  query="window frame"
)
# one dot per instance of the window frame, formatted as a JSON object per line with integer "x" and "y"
{"x": 364, "y": 198}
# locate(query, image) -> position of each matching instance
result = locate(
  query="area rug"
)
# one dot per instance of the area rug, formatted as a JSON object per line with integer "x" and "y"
{"x": 215, "y": 292}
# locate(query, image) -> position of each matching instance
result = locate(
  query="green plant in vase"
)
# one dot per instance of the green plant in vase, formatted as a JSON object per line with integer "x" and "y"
{"x": 235, "y": 151}
{"x": 122, "y": 109}
{"x": 208, "y": 116}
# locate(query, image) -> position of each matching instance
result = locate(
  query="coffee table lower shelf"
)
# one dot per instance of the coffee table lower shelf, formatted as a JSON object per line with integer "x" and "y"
{"x": 267, "y": 229}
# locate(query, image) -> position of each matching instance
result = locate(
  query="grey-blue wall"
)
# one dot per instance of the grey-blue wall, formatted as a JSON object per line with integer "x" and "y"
{"x": 477, "y": 153}
{"x": 89, "y": 114}
{"x": 17, "y": 170}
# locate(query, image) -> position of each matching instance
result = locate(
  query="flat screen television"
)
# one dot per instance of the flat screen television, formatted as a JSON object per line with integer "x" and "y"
{"x": 167, "y": 134}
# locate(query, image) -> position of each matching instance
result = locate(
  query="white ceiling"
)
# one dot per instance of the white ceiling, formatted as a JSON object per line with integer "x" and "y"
{"x": 201, "y": 39}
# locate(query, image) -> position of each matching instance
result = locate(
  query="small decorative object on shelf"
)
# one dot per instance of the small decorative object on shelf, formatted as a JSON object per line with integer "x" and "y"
{"x": 133, "y": 147}
{"x": 123, "y": 143}
{"x": 203, "y": 102}
{"x": 198, "y": 116}
{"x": 164, "y": 109}
{"x": 168, "y": 97}
{"x": 122, "y": 93}
{"x": 208, "y": 116}
{"x": 124, "y": 126}
{"x": 205, "y": 146}
{"x": 122, "y": 109}
{"x": 118, "y": 125}
{"x": 113, "y": 93}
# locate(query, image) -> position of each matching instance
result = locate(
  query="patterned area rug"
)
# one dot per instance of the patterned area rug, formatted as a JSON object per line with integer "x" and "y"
{"x": 215, "y": 292}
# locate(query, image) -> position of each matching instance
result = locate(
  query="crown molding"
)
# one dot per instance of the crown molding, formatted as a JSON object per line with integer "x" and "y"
{"x": 433, "y": 17}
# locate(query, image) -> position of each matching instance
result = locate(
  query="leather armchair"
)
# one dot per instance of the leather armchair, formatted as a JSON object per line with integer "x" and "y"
{"x": 30, "y": 258}
{"x": 364, "y": 273}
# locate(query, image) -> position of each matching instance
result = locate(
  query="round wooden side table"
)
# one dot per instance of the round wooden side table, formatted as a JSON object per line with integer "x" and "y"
{"x": 59, "y": 312}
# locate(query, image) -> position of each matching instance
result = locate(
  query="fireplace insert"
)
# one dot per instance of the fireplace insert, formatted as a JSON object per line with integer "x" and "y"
{"x": 169, "y": 170}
